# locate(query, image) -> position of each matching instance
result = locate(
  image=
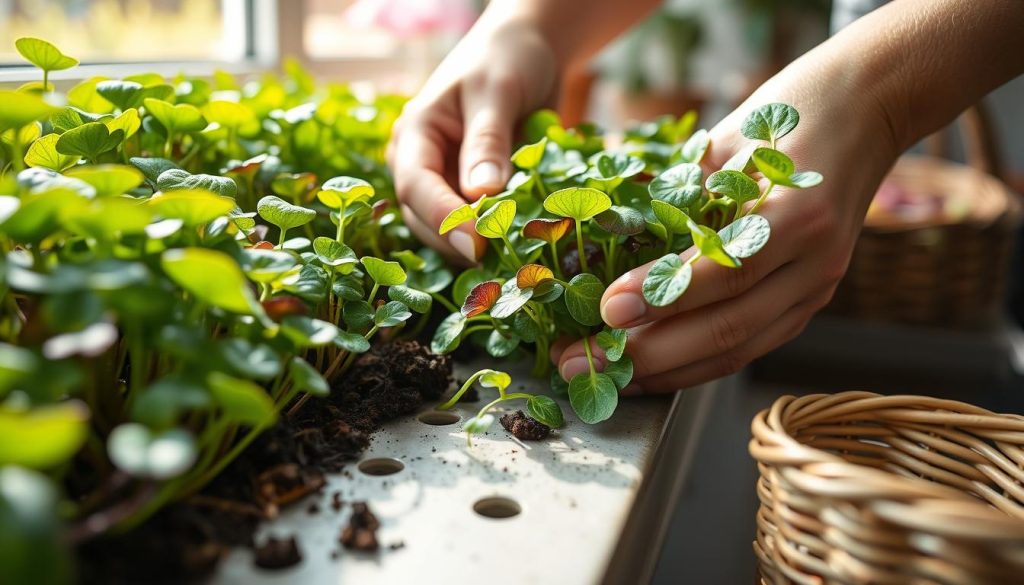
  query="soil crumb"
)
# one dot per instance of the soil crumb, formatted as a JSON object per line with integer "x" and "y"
{"x": 525, "y": 428}
{"x": 278, "y": 553}
{"x": 184, "y": 542}
{"x": 361, "y": 532}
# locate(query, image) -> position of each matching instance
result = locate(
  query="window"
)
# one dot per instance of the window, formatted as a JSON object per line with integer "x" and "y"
{"x": 104, "y": 31}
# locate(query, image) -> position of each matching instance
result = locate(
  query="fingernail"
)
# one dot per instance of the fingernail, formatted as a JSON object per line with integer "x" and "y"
{"x": 622, "y": 309}
{"x": 631, "y": 390}
{"x": 464, "y": 244}
{"x": 485, "y": 174}
{"x": 578, "y": 365}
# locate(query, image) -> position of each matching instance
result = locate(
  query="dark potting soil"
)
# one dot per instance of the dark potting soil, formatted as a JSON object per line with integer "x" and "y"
{"x": 185, "y": 541}
{"x": 361, "y": 531}
{"x": 525, "y": 428}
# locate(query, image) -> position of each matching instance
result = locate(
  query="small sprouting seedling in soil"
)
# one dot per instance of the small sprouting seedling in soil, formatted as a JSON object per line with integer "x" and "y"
{"x": 542, "y": 408}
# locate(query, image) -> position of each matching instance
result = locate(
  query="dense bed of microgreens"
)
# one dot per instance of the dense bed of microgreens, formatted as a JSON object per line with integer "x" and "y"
{"x": 182, "y": 259}
{"x": 577, "y": 214}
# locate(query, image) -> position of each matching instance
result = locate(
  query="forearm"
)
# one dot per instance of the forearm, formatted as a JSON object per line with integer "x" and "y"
{"x": 575, "y": 29}
{"x": 925, "y": 61}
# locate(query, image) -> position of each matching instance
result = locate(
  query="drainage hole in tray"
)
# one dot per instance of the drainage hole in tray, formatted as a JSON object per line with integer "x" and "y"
{"x": 381, "y": 466}
{"x": 438, "y": 418}
{"x": 497, "y": 507}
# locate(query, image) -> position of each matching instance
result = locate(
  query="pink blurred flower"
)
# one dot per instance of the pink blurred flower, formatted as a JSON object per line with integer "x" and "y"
{"x": 411, "y": 18}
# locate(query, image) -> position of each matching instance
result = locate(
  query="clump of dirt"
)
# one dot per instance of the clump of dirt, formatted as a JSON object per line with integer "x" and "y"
{"x": 525, "y": 428}
{"x": 185, "y": 541}
{"x": 278, "y": 553}
{"x": 361, "y": 531}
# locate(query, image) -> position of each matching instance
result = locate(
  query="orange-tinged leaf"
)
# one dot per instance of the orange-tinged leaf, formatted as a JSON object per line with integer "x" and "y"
{"x": 532, "y": 275}
{"x": 481, "y": 299}
{"x": 549, "y": 230}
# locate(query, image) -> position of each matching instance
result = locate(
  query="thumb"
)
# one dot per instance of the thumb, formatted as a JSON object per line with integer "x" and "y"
{"x": 484, "y": 159}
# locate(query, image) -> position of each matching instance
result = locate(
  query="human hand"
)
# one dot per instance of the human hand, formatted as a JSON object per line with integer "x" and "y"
{"x": 453, "y": 140}
{"x": 730, "y": 316}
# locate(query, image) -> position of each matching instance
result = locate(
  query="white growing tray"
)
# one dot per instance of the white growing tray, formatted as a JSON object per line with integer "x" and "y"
{"x": 593, "y": 501}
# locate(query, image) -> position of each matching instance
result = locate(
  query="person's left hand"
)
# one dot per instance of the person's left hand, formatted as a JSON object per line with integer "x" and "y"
{"x": 729, "y": 316}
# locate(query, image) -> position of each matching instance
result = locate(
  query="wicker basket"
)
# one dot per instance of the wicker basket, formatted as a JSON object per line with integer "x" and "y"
{"x": 946, "y": 272}
{"x": 862, "y": 488}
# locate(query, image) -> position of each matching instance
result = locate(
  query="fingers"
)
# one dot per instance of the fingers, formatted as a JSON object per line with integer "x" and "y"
{"x": 788, "y": 326}
{"x": 418, "y": 157}
{"x": 623, "y": 304}
{"x": 712, "y": 330}
{"x": 489, "y": 113}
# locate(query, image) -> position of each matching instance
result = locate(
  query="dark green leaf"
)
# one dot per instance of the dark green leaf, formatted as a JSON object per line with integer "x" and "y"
{"x": 545, "y": 410}
{"x": 306, "y": 379}
{"x": 733, "y": 184}
{"x": 391, "y": 314}
{"x": 746, "y": 236}
{"x": 621, "y": 371}
{"x": 177, "y": 179}
{"x": 418, "y": 301}
{"x": 308, "y": 332}
{"x": 667, "y": 280}
{"x": 583, "y": 299}
{"x": 621, "y": 220}
{"x": 770, "y": 122}
{"x": 613, "y": 342}
{"x": 500, "y": 344}
{"x": 593, "y": 397}
{"x": 446, "y": 338}
{"x": 679, "y": 185}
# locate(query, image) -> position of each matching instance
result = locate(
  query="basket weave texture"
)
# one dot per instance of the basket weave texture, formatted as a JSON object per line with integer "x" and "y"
{"x": 862, "y": 488}
{"x": 950, "y": 272}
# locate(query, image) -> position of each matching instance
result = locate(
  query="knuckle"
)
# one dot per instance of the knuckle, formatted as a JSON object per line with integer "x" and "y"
{"x": 726, "y": 331}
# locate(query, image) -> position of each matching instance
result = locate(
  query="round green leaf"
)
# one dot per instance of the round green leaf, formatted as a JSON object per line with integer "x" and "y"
{"x": 391, "y": 314}
{"x": 416, "y": 300}
{"x": 43, "y": 437}
{"x": 212, "y": 277}
{"x": 306, "y": 378}
{"x": 500, "y": 344}
{"x": 583, "y": 299}
{"x": 128, "y": 121}
{"x": 341, "y": 191}
{"x": 774, "y": 165}
{"x": 43, "y": 54}
{"x": 257, "y": 361}
{"x": 770, "y": 122}
{"x": 152, "y": 168}
{"x": 330, "y": 252}
{"x": 678, "y": 185}
{"x": 358, "y": 315}
{"x": 384, "y": 272}
{"x": 746, "y": 236}
{"x": 545, "y": 410}
{"x": 163, "y": 403}
{"x": 89, "y": 140}
{"x": 135, "y": 449}
{"x": 620, "y": 220}
{"x": 352, "y": 342}
{"x": 109, "y": 180}
{"x": 579, "y": 203}
{"x": 478, "y": 424}
{"x": 176, "y": 117}
{"x": 266, "y": 266}
{"x": 670, "y": 216}
{"x": 192, "y": 206}
{"x": 613, "y": 342}
{"x": 283, "y": 214}
{"x": 528, "y": 157}
{"x": 496, "y": 221}
{"x": 495, "y": 379}
{"x": 695, "y": 147}
{"x": 733, "y": 184}
{"x": 667, "y": 280}
{"x": 623, "y": 166}
{"x": 446, "y": 337}
{"x": 511, "y": 300}
{"x": 178, "y": 179}
{"x": 710, "y": 245}
{"x": 308, "y": 332}
{"x": 621, "y": 371}
{"x": 43, "y": 153}
{"x": 593, "y": 397}
{"x": 126, "y": 94}
{"x": 241, "y": 401}
{"x": 457, "y": 217}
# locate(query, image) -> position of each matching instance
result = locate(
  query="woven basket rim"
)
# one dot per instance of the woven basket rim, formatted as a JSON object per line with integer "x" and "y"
{"x": 998, "y": 202}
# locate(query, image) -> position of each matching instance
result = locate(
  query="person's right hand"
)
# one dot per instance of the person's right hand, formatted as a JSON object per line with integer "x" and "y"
{"x": 453, "y": 140}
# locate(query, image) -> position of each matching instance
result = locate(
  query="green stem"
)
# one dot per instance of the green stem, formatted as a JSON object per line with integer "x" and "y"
{"x": 46, "y": 80}
{"x": 554, "y": 259}
{"x": 445, "y": 302}
{"x": 512, "y": 252}
{"x": 540, "y": 184}
{"x": 579, "y": 247}
{"x": 373, "y": 293}
{"x": 462, "y": 390}
{"x": 760, "y": 200}
{"x": 281, "y": 239}
{"x": 340, "y": 235}
{"x": 590, "y": 359}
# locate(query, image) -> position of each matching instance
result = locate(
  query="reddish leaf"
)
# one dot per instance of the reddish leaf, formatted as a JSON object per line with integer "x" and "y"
{"x": 532, "y": 275}
{"x": 262, "y": 245}
{"x": 481, "y": 298}
{"x": 549, "y": 230}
